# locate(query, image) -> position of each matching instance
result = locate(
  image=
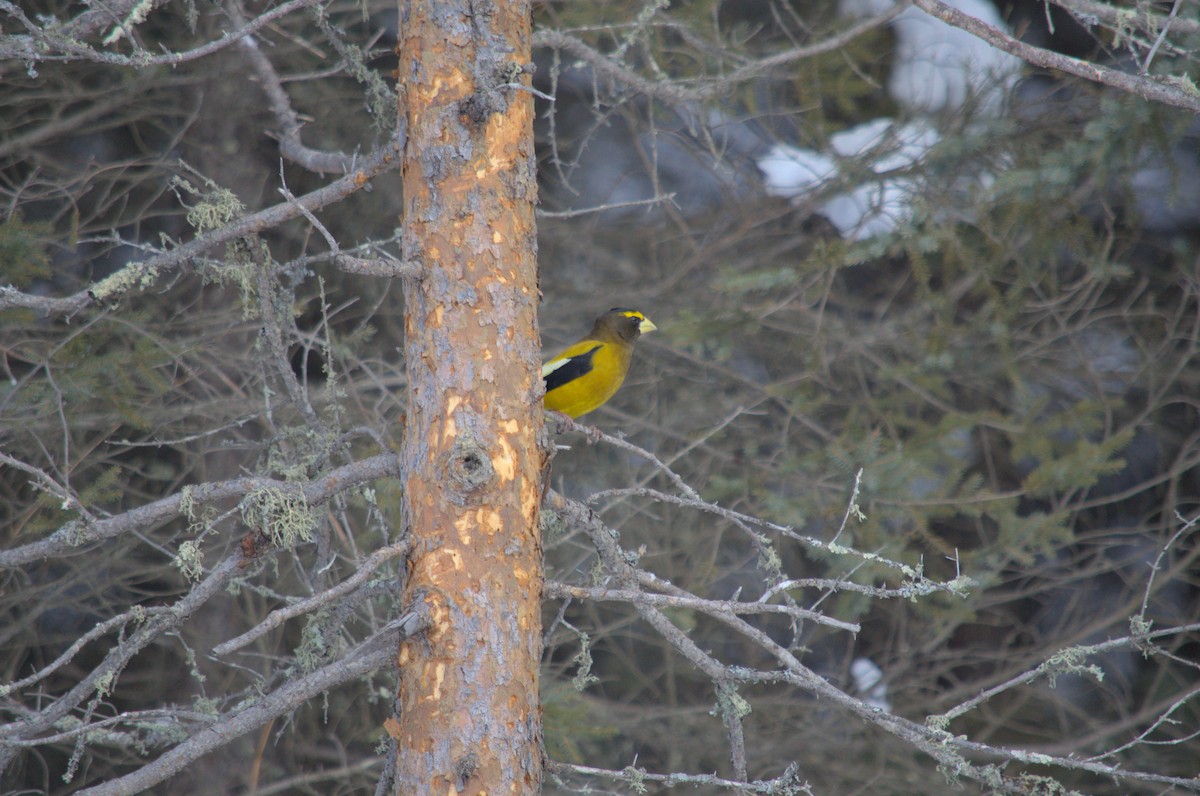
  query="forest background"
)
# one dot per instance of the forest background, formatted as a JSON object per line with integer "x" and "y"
{"x": 904, "y": 487}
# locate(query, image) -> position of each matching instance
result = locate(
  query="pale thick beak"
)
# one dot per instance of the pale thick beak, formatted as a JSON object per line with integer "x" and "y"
{"x": 646, "y": 325}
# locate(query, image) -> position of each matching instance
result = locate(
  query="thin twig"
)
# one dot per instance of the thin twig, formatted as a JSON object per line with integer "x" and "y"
{"x": 290, "y": 145}
{"x": 584, "y": 211}
{"x": 367, "y": 657}
{"x": 1162, "y": 36}
{"x": 556, "y": 590}
{"x": 42, "y": 44}
{"x": 617, "y": 442}
{"x": 787, "y": 783}
{"x": 140, "y": 275}
{"x": 281, "y": 615}
{"x": 679, "y": 92}
{"x": 73, "y": 538}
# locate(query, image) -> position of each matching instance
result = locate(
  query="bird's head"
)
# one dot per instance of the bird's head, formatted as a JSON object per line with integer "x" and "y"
{"x": 624, "y": 323}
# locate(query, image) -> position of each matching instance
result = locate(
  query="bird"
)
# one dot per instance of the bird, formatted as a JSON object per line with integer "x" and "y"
{"x": 586, "y": 374}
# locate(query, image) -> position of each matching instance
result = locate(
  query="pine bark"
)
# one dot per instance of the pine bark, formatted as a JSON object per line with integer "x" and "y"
{"x": 469, "y": 720}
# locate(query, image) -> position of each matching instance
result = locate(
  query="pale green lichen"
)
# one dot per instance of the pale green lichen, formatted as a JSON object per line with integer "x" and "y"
{"x": 769, "y": 561}
{"x": 1033, "y": 757}
{"x": 1069, "y": 661}
{"x": 1139, "y": 625}
{"x": 75, "y": 533}
{"x": 583, "y": 676}
{"x": 938, "y": 723}
{"x": 1183, "y": 83}
{"x": 285, "y": 517}
{"x": 1043, "y": 786}
{"x": 135, "y": 276}
{"x": 636, "y": 778}
{"x": 960, "y": 585}
{"x": 206, "y": 705}
{"x": 314, "y": 649}
{"x": 136, "y": 16}
{"x": 730, "y": 704}
{"x": 105, "y": 683}
{"x": 187, "y": 503}
{"x": 215, "y": 207}
{"x": 240, "y": 268}
{"x": 189, "y": 560}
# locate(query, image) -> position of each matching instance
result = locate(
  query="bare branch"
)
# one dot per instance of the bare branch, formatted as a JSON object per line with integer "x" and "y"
{"x": 72, "y": 537}
{"x": 118, "y": 658}
{"x": 1168, "y": 91}
{"x": 584, "y": 211}
{"x": 617, "y": 442}
{"x": 281, "y": 615}
{"x": 49, "y": 44}
{"x": 556, "y": 590}
{"x": 1145, "y": 18}
{"x": 678, "y": 91}
{"x": 70, "y": 502}
{"x": 90, "y": 21}
{"x": 788, "y": 782}
{"x": 138, "y": 276}
{"x": 1162, "y": 35}
{"x": 948, "y": 750}
{"x": 101, "y": 629}
{"x": 919, "y": 583}
{"x": 290, "y": 145}
{"x": 1055, "y": 665}
{"x": 385, "y": 265}
{"x": 373, "y": 654}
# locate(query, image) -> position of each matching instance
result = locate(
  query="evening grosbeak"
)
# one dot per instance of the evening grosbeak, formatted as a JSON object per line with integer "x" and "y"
{"x": 588, "y": 373}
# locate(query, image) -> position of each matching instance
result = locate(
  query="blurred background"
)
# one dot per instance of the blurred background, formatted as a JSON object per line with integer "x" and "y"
{"x": 899, "y": 252}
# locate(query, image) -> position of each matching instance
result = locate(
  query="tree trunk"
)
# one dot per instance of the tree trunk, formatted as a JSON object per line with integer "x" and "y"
{"x": 469, "y": 720}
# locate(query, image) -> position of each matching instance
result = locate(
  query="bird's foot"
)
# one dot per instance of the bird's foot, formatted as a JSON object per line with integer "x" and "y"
{"x": 562, "y": 421}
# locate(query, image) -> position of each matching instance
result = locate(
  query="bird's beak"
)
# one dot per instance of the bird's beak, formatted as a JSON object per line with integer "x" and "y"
{"x": 646, "y": 325}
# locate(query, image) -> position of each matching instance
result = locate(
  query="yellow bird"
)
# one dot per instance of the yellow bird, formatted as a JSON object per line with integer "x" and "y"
{"x": 588, "y": 373}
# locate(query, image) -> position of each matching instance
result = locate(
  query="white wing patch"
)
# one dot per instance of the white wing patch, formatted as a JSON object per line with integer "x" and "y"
{"x": 554, "y": 365}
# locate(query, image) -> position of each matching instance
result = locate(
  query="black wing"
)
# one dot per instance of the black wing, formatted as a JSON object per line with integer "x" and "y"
{"x": 573, "y": 368}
